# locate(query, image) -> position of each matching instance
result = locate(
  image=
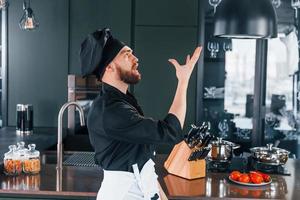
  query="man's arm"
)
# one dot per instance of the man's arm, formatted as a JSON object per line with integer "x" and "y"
{"x": 183, "y": 74}
{"x": 123, "y": 122}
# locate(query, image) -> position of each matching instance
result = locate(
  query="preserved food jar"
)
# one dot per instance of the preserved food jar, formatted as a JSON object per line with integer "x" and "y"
{"x": 20, "y": 156}
{"x": 9, "y": 157}
{"x": 32, "y": 160}
{"x": 12, "y": 161}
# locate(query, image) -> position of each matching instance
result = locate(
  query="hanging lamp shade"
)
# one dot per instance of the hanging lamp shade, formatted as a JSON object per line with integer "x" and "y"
{"x": 3, "y": 3}
{"x": 28, "y": 21}
{"x": 245, "y": 19}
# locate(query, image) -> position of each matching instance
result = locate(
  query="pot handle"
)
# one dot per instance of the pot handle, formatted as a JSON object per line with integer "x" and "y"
{"x": 270, "y": 146}
{"x": 236, "y": 146}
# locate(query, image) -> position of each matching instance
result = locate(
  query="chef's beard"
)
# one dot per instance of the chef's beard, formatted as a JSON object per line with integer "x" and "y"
{"x": 128, "y": 76}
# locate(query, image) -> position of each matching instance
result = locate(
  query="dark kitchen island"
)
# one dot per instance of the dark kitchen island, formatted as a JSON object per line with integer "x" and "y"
{"x": 83, "y": 183}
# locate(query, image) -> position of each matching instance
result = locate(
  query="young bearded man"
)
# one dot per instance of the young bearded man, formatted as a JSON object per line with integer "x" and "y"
{"x": 122, "y": 137}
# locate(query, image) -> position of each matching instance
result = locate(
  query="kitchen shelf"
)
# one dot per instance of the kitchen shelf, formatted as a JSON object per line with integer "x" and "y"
{"x": 214, "y": 59}
{"x": 213, "y": 98}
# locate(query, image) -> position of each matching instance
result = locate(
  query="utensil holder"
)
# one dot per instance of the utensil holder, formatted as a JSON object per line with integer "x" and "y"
{"x": 178, "y": 164}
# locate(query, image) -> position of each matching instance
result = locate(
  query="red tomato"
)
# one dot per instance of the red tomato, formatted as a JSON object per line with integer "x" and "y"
{"x": 258, "y": 172}
{"x": 256, "y": 178}
{"x": 244, "y": 178}
{"x": 254, "y": 173}
{"x": 235, "y": 175}
{"x": 266, "y": 177}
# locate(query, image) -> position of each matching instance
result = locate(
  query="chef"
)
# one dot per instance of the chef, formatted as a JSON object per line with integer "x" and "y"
{"x": 122, "y": 137}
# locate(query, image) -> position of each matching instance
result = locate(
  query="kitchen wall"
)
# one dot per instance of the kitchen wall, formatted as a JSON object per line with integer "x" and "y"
{"x": 154, "y": 34}
{"x": 161, "y": 35}
{"x": 164, "y": 29}
{"x": 87, "y": 16}
{"x": 40, "y": 61}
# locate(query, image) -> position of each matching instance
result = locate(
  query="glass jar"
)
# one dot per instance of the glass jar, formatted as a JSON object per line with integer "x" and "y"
{"x": 32, "y": 164}
{"x": 21, "y": 155}
{"x": 9, "y": 165}
{"x": 21, "y": 149}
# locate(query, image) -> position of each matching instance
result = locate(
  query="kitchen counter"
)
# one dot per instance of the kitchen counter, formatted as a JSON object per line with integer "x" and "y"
{"x": 217, "y": 185}
{"x": 84, "y": 182}
{"x": 77, "y": 183}
{"x": 42, "y": 137}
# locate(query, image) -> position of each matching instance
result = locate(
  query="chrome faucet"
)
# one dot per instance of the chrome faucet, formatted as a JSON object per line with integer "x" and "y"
{"x": 59, "y": 136}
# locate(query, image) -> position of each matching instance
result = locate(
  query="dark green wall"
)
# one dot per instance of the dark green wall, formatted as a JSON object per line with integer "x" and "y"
{"x": 87, "y": 16}
{"x": 157, "y": 87}
{"x": 167, "y": 12}
{"x": 164, "y": 29}
{"x": 38, "y": 60}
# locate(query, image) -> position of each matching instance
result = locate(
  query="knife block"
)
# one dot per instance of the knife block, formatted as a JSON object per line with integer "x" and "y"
{"x": 178, "y": 164}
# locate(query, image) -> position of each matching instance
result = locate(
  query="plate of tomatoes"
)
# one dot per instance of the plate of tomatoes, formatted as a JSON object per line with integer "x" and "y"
{"x": 253, "y": 178}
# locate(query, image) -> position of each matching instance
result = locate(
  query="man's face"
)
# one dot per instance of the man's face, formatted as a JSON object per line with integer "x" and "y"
{"x": 126, "y": 66}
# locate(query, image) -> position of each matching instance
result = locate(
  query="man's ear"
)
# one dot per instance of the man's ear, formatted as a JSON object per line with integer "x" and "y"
{"x": 110, "y": 67}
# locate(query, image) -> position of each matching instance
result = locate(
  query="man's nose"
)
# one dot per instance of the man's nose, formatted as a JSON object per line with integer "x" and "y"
{"x": 135, "y": 59}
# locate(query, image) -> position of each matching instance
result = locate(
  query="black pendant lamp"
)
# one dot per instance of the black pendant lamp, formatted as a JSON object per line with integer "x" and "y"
{"x": 250, "y": 19}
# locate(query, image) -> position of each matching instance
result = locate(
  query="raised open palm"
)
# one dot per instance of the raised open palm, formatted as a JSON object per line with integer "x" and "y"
{"x": 183, "y": 72}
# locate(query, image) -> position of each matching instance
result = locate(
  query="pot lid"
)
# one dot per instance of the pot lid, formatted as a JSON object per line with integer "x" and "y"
{"x": 220, "y": 142}
{"x": 269, "y": 149}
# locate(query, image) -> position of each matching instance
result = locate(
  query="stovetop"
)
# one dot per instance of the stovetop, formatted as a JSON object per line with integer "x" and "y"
{"x": 237, "y": 163}
{"x": 244, "y": 164}
{"x": 272, "y": 169}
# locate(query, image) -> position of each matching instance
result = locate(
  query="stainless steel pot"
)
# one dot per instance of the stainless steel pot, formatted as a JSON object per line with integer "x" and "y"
{"x": 270, "y": 155}
{"x": 222, "y": 150}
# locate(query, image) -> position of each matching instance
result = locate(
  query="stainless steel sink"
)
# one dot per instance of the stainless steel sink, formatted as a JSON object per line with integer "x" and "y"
{"x": 81, "y": 159}
{"x": 49, "y": 157}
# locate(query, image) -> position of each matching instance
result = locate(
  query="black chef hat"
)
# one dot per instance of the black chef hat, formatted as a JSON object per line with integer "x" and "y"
{"x": 97, "y": 51}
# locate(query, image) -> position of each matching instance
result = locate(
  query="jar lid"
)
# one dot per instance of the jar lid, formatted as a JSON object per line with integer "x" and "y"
{"x": 32, "y": 152}
{"x": 21, "y": 149}
{"x": 10, "y": 153}
{"x": 21, "y": 146}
